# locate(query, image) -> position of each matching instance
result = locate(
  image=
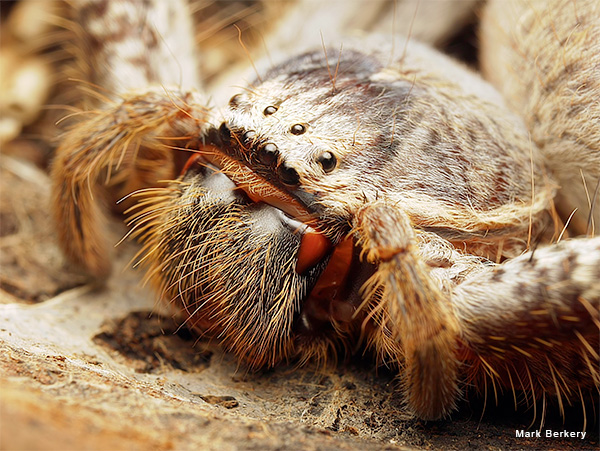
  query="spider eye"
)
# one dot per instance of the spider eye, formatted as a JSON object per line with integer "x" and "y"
{"x": 327, "y": 161}
{"x": 224, "y": 132}
{"x": 268, "y": 153}
{"x": 298, "y": 129}
{"x": 288, "y": 175}
{"x": 234, "y": 102}
{"x": 270, "y": 110}
{"x": 249, "y": 136}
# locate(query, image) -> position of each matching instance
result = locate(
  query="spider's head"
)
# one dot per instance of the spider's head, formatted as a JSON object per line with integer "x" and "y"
{"x": 262, "y": 211}
{"x": 312, "y": 133}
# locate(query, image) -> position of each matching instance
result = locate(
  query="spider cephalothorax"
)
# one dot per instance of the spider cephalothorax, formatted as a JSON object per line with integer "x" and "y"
{"x": 343, "y": 199}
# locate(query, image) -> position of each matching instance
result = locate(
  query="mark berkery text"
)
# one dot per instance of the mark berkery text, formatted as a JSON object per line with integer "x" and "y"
{"x": 549, "y": 433}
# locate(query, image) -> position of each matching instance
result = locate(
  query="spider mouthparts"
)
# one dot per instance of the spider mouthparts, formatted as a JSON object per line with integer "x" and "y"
{"x": 257, "y": 188}
{"x": 314, "y": 245}
{"x": 328, "y": 299}
{"x": 333, "y": 280}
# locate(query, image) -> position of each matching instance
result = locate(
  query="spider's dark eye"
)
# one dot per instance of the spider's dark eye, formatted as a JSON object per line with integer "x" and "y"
{"x": 249, "y": 136}
{"x": 234, "y": 102}
{"x": 328, "y": 161}
{"x": 288, "y": 175}
{"x": 298, "y": 129}
{"x": 267, "y": 154}
{"x": 224, "y": 132}
{"x": 270, "y": 110}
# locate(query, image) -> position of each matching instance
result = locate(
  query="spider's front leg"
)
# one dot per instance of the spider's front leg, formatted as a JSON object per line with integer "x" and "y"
{"x": 122, "y": 148}
{"x": 530, "y": 324}
{"x": 142, "y": 56}
{"x": 420, "y": 313}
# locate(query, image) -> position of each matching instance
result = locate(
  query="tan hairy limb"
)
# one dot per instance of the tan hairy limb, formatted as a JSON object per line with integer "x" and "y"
{"x": 121, "y": 149}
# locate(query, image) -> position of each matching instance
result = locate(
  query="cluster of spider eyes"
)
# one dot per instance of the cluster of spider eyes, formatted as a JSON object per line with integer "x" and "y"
{"x": 296, "y": 129}
{"x": 267, "y": 153}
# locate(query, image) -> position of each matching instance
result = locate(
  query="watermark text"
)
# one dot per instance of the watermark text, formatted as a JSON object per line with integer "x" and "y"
{"x": 549, "y": 433}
